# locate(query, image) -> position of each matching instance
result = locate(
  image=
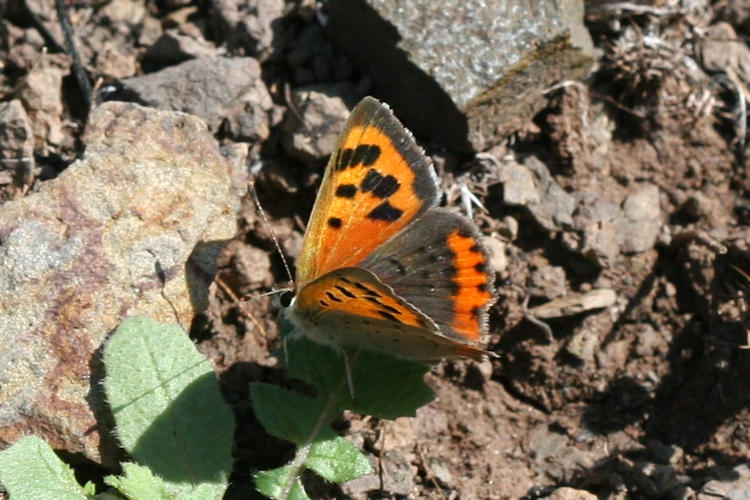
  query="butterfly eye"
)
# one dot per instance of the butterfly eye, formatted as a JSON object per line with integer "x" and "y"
{"x": 286, "y": 298}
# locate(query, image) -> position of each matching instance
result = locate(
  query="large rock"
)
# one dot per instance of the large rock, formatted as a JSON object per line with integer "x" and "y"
{"x": 133, "y": 228}
{"x": 463, "y": 73}
{"x": 221, "y": 91}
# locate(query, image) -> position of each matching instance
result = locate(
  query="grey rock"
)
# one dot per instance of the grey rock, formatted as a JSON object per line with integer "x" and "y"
{"x": 150, "y": 31}
{"x": 16, "y": 147}
{"x": 554, "y": 453}
{"x": 43, "y": 101}
{"x": 218, "y": 90}
{"x": 313, "y": 123}
{"x": 469, "y": 72}
{"x": 532, "y": 186}
{"x": 398, "y": 476}
{"x": 734, "y": 485}
{"x": 595, "y": 225}
{"x": 519, "y": 186}
{"x": 496, "y": 249}
{"x": 599, "y": 244}
{"x": 357, "y": 488}
{"x": 722, "y": 51}
{"x": 133, "y": 228}
{"x": 511, "y": 227}
{"x": 555, "y": 207}
{"x": 639, "y": 227}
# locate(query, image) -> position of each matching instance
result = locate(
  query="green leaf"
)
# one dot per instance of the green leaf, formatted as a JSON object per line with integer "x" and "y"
{"x": 337, "y": 460}
{"x": 387, "y": 387}
{"x": 167, "y": 406}
{"x": 138, "y": 482}
{"x": 288, "y": 415}
{"x": 30, "y": 470}
{"x": 271, "y": 483}
{"x": 384, "y": 386}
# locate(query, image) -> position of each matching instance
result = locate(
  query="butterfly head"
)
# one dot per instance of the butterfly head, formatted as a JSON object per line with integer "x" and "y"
{"x": 286, "y": 299}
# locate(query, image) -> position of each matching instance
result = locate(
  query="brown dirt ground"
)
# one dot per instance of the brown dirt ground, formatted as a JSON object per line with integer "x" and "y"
{"x": 664, "y": 404}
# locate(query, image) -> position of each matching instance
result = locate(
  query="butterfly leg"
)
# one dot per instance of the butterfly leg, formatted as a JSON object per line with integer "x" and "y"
{"x": 286, "y": 353}
{"x": 347, "y": 368}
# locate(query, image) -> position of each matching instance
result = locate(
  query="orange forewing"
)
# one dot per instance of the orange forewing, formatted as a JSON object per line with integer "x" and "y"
{"x": 376, "y": 182}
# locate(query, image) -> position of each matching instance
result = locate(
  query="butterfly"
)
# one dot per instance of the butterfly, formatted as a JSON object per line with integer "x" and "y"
{"x": 382, "y": 267}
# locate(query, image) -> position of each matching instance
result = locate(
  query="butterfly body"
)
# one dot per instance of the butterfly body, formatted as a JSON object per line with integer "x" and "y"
{"x": 382, "y": 267}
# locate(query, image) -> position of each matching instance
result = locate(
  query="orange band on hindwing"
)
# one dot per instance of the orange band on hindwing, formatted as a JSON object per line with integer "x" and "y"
{"x": 472, "y": 282}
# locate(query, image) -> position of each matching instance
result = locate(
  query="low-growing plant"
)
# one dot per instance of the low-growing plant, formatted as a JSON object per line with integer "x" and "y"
{"x": 383, "y": 386}
{"x": 170, "y": 418}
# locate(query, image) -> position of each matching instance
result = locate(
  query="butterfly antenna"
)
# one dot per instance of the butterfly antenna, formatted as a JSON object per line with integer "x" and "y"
{"x": 275, "y": 291}
{"x": 256, "y": 200}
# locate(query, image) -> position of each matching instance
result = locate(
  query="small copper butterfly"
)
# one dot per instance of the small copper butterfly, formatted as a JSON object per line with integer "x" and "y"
{"x": 382, "y": 267}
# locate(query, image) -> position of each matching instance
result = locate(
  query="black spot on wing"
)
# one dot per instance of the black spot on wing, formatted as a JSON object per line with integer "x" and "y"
{"x": 343, "y": 158}
{"x": 388, "y": 316}
{"x": 365, "y": 154}
{"x": 390, "y": 309}
{"x": 346, "y": 191}
{"x": 385, "y": 212}
{"x": 399, "y": 267}
{"x": 334, "y": 222}
{"x": 379, "y": 185}
{"x": 368, "y": 291}
{"x": 384, "y": 306}
{"x": 345, "y": 291}
{"x": 333, "y": 297}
